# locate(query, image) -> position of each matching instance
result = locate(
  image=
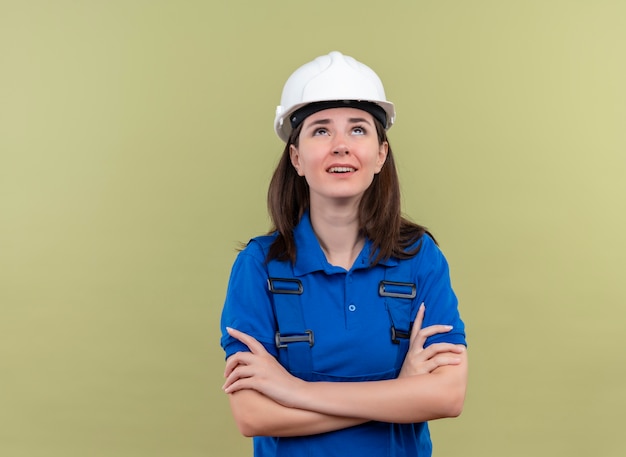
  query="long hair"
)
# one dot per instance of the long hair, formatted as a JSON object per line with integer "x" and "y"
{"x": 380, "y": 215}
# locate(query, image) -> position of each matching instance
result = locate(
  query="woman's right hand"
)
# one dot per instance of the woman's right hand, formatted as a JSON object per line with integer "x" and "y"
{"x": 423, "y": 361}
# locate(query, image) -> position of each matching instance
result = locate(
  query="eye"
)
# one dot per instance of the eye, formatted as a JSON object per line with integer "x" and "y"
{"x": 320, "y": 131}
{"x": 359, "y": 130}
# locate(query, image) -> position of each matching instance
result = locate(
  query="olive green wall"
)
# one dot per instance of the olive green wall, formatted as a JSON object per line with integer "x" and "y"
{"x": 136, "y": 145}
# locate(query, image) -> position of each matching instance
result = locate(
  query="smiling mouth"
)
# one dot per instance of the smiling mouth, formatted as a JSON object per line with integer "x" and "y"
{"x": 341, "y": 170}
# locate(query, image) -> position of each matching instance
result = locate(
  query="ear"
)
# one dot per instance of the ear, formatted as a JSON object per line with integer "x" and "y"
{"x": 294, "y": 155}
{"x": 383, "y": 149}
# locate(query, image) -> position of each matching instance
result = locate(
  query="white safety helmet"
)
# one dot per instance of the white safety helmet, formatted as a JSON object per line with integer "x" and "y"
{"x": 331, "y": 81}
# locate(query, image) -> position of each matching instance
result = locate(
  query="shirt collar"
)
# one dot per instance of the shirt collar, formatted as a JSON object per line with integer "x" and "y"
{"x": 310, "y": 257}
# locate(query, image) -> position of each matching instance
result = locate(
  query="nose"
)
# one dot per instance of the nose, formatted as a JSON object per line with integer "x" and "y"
{"x": 340, "y": 145}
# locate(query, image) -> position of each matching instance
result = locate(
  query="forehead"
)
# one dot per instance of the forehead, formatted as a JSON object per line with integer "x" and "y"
{"x": 339, "y": 114}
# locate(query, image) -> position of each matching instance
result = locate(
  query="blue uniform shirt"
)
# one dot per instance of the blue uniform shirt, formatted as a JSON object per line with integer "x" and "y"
{"x": 352, "y": 330}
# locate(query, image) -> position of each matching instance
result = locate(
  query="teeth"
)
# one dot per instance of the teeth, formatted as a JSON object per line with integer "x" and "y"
{"x": 340, "y": 169}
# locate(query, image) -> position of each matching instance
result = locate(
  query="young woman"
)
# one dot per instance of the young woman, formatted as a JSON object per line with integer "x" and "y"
{"x": 340, "y": 327}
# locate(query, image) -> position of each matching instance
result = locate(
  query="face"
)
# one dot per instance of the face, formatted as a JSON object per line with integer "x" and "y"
{"x": 338, "y": 153}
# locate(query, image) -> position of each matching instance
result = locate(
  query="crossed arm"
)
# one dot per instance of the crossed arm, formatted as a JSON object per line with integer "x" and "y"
{"x": 267, "y": 400}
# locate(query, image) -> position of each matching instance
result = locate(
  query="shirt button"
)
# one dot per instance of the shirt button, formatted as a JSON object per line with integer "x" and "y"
{"x": 352, "y": 307}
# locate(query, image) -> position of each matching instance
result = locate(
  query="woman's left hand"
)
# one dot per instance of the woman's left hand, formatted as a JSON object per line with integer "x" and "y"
{"x": 259, "y": 370}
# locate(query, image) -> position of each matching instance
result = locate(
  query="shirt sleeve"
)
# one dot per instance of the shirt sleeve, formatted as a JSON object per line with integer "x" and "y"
{"x": 435, "y": 291}
{"x": 248, "y": 307}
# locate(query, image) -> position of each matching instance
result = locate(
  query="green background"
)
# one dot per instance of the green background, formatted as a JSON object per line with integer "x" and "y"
{"x": 136, "y": 146}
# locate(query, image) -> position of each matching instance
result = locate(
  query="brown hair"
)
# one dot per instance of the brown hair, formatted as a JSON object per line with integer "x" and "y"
{"x": 380, "y": 215}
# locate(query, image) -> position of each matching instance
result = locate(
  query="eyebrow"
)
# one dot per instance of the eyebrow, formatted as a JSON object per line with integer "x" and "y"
{"x": 359, "y": 119}
{"x": 352, "y": 120}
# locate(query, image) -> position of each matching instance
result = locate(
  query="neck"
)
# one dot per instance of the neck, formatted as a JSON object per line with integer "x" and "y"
{"x": 337, "y": 230}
